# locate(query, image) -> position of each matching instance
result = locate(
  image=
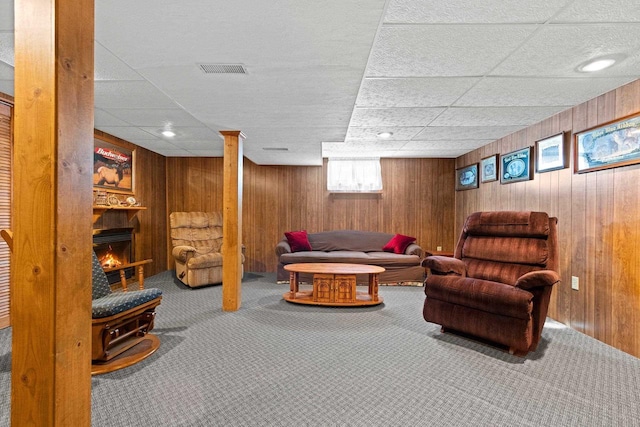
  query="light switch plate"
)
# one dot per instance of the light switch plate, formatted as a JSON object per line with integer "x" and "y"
{"x": 575, "y": 283}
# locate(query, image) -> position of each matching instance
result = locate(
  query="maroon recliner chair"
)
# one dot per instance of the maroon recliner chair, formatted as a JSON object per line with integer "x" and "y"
{"x": 498, "y": 285}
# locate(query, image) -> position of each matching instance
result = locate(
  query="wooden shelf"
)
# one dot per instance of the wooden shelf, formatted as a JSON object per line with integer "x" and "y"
{"x": 132, "y": 211}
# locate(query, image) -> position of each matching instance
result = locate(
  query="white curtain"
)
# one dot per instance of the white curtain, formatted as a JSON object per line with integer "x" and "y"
{"x": 358, "y": 175}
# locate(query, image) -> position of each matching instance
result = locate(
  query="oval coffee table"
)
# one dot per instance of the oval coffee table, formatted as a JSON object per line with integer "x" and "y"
{"x": 334, "y": 284}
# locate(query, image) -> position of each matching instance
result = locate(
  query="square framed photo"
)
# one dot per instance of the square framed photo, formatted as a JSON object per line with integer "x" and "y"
{"x": 552, "y": 153}
{"x": 489, "y": 169}
{"x": 612, "y": 145}
{"x": 516, "y": 166}
{"x": 467, "y": 177}
{"x": 113, "y": 167}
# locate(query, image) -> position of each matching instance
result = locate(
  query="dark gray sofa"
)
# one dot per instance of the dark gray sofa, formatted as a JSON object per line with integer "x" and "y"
{"x": 354, "y": 247}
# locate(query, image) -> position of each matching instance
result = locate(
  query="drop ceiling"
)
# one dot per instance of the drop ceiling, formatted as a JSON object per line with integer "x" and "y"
{"x": 323, "y": 78}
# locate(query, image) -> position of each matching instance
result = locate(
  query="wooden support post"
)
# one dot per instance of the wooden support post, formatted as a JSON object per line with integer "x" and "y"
{"x": 232, "y": 221}
{"x": 53, "y": 162}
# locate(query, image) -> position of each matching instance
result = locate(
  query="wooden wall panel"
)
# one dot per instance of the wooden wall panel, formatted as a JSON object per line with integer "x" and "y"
{"x": 598, "y": 222}
{"x": 417, "y": 200}
{"x": 150, "y": 225}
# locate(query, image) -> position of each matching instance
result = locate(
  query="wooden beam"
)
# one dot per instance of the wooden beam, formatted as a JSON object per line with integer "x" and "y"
{"x": 232, "y": 221}
{"x": 53, "y": 158}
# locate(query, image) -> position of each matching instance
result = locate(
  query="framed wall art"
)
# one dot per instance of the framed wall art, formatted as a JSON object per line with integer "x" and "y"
{"x": 489, "y": 169}
{"x": 467, "y": 177}
{"x": 113, "y": 167}
{"x": 608, "y": 146}
{"x": 552, "y": 153}
{"x": 516, "y": 166}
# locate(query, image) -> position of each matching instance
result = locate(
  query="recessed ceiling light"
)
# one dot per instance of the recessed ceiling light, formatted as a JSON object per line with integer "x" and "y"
{"x": 385, "y": 135}
{"x": 600, "y": 63}
{"x": 168, "y": 133}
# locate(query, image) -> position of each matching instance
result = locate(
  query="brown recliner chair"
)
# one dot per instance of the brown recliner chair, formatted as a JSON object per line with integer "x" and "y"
{"x": 498, "y": 285}
{"x": 196, "y": 238}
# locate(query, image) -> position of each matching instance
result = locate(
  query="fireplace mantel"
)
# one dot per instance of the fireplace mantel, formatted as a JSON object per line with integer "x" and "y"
{"x": 132, "y": 211}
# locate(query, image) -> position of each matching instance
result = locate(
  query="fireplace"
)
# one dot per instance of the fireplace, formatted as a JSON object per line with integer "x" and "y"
{"x": 113, "y": 247}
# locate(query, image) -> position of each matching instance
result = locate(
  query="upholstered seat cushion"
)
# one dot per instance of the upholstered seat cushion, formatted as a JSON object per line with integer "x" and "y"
{"x": 212, "y": 259}
{"x": 118, "y": 302}
{"x": 351, "y": 257}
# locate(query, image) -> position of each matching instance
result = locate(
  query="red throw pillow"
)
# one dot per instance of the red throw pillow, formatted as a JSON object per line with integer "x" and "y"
{"x": 398, "y": 244}
{"x": 298, "y": 240}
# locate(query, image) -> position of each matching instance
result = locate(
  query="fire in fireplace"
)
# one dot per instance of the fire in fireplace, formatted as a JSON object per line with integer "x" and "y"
{"x": 114, "y": 247}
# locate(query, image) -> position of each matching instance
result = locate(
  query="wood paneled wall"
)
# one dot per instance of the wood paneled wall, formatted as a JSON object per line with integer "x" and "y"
{"x": 417, "y": 200}
{"x": 598, "y": 222}
{"x": 150, "y": 225}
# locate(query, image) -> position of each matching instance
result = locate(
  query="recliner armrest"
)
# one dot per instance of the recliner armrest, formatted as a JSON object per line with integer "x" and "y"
{"x": 183, "y": 253}
{"x": 413, "y": 249}
{"x": 539, "y": 278}
{"x": 445, "y": 265}
{"x": 283, "y": 248}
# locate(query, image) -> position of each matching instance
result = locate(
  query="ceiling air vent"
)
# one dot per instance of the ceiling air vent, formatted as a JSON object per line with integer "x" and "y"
{"x": 275, "y": 149}
{"x": 223, "y": 68}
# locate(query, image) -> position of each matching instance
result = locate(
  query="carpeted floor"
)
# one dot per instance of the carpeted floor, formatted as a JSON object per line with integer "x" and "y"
{"x": 273, "y": 363}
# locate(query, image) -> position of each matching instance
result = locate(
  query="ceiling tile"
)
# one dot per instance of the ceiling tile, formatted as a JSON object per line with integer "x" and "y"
{"x": 371, "y": 134}
{"x": 466, "y": 12}
{"x": 6, "y": 71}
{"x": 6, "y": 17}
{"x": 132, "y": 94}
{"x": 443, "y": 133}
{"x": 109, "y": 67}
{"x": 494, "y": 116}
{"x": 467, "y": 145}
{"x": 421, "y": 51}
{"x": 370, "y": 117}
{"x": 104, "y": 118}
{"x": 6, "y": 48}
{"x": 413, "y": 92}
{"x": 556, "y": 50}
{"x": 156, "y": 117}
{"x": 506, "y": 91}
{"x": 600, "y": 11}
{"x": 6, "y": 86}
{"x": 128, "y": 133}
{"x": 207, "y": 153}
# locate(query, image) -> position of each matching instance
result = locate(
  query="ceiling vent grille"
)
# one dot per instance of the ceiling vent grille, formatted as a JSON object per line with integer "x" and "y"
{"x": 223, "y": 68}
{"x": 275, "y": 149}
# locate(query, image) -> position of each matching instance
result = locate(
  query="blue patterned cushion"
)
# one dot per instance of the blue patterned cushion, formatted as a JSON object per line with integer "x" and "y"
{"x": 118, "y": 302}
{"x": 99, "y": 283}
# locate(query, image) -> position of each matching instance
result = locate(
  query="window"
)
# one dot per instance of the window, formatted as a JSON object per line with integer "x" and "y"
{"x": 354, "y": 175}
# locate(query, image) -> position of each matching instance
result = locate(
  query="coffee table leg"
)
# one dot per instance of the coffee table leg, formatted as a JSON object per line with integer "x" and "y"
{"x": 293, "y": 284}
{"x": 373, "y": 286}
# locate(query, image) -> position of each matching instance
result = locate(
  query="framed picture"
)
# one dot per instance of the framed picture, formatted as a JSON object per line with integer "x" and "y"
{"x": 489, "y": 169}
{"x": 608, "y": 146}
{"x": 516, "y": 166}
{"x": 552, "y": 153}
{"x": 113, "y": 167}
{"x": 467, "y": 177}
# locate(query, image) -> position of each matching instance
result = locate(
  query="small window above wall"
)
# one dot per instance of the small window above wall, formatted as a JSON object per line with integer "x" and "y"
{"x": 362, "y": 175}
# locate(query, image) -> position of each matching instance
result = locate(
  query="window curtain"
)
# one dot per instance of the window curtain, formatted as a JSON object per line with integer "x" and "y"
{"x": 357, "y": 175}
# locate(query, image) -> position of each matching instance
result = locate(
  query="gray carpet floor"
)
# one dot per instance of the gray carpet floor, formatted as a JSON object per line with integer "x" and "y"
{"x": 273, "y": 363}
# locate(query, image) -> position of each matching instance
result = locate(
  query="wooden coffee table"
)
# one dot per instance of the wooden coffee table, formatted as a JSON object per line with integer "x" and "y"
{"x": 334, "y": 284}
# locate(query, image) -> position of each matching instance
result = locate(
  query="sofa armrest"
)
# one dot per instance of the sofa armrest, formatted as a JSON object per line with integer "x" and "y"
{"x": 444, "y": 265}
{"x": 539, "y": 278}
{"x": 413, "y": 249}
{"x": 183, "y": 253}
{"x": 283, "y": 248}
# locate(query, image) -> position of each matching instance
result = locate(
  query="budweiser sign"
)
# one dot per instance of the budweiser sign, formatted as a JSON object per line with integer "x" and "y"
{"x": 112, "y": 155}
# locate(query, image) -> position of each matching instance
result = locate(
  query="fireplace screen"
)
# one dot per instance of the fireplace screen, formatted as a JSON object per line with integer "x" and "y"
{"x": 114, "y": 247}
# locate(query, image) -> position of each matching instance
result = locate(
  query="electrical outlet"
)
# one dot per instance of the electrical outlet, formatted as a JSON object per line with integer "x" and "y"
{"x": 439, "y": 248}
{"x": 575, "y": 283}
